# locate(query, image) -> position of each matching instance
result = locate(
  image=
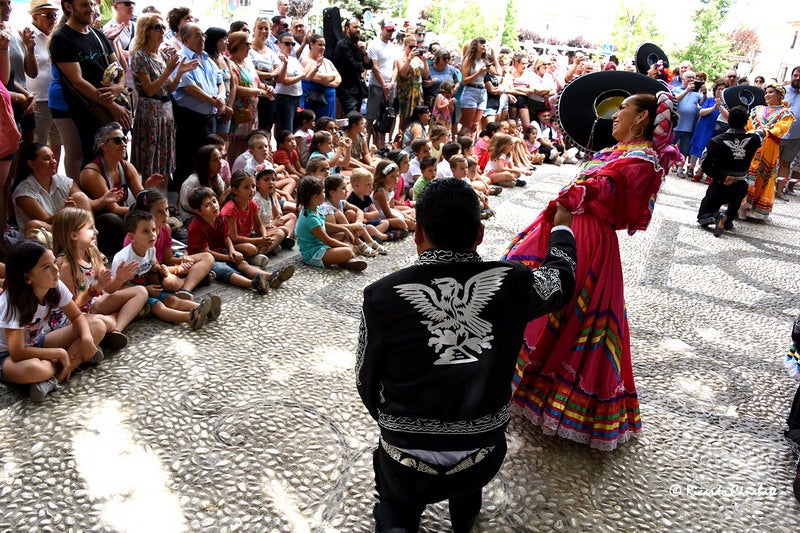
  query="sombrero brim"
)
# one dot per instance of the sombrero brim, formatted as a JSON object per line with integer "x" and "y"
{"x": 587, "y": 104}
{"x": 748, "y": 96}
{"x": 648, "y": 55}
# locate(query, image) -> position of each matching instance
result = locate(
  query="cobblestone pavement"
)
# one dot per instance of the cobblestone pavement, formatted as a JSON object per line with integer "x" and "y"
{"x": 254, "y": 423}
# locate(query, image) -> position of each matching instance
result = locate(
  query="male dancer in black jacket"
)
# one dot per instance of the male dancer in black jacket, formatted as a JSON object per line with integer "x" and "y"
{"x": 726, "y": 160}
{"x": 438, "y": 343}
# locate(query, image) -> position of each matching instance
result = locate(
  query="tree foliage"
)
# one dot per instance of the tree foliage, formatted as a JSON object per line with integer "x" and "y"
{"x": 711, "y": 48}
{"x": 459, "y": 20}
{"x": 634, "y": 25}
{"x": 357, "y": 7}
{"x": 744, "y": 41}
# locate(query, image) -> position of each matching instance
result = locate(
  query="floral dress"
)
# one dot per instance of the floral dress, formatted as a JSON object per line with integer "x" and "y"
{"x": 153, "y": 133}
{"x": 246, "y": 78}
{"x": 409, "y": 90}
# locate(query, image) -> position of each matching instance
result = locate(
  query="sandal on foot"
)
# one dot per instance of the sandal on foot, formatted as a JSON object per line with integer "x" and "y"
{"x": 356, "y": 265}
{"x": 288, "y": 243}
{"x": 144, "y": 311}
{"x": 379, "y": 248}
{"x": 197, "y": 316}
{"x": 114, "y": 341}
{"x": 184, "y": 294}
{"x": 487, "y": 213}
{"x": 260, "y": 284}
{"x": 279, "y": 276}
{"x": 495, "y": 189}
{"x": 216, "y": 307}
{"x": 366, "y": 251}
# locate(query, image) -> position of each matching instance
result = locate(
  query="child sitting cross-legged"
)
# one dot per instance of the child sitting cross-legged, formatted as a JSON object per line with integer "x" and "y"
{"x": 336, "y": 209}
{"x": 458, "y": 167}
{"x": 209, "y": 233}
{"x": 93, "y": 287}
{"x": 427, "y": 167}
{"x": 500, "y": 169}
{"x": 360, "y": 197}
{"x": 258, "y": 153}
{"x": 317, "y": 247}
{"x": 400, "y": 217}
{"x": 245, "y": 229}
{"x": 140, "y": 227}
{"x": 184, "y": 273}
{"x": 279, "y": 224}
{"x": 28, "y": 355}
{"x": 286, "y": 154}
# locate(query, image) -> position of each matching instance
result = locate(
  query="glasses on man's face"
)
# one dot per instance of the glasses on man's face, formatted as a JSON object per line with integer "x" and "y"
{"x": 118, "y": 140}
{"x": 732, "y": 77}
{"x": 285, "y": 24}
{"x": 50, "y": 16}
{"x": 157, "y": 27}
{"x": 127, "y": 4}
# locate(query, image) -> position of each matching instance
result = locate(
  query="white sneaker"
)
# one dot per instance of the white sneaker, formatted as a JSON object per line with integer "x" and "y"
{"x": 258, "y": 260}
{"x": 559, "y": 161}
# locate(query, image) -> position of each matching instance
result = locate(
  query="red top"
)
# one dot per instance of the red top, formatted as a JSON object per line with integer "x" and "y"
{"x": 203, "y": 235}
{"x": 245, "y": 218}
{"x": 282, "y": 157}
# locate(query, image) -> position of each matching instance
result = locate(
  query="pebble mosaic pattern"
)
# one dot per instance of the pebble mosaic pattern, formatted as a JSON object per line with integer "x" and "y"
{"x": 254, "y": 423}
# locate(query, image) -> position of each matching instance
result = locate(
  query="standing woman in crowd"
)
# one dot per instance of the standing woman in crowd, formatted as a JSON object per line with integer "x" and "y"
{"x": 267, "y": 66}
{"x": 704, "y": 130}
{"x": 215, "y": 46}
{"x": 411, "y": 70}
{"x": 771, "y": 122}
{"x": 13, "y": 135}
{"x": 248, "y": 89}
{"x": 473, "y": 69}
{"x": 522, "y": 88}
{"x": 153, "y": 134}
{"x": 320, "y": 81}
{"x": 288, "y": 88}
{"x": 544, "y": 86}
{"x": 439, "y": 71}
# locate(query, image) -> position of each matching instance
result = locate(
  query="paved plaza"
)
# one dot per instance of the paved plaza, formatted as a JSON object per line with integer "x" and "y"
{"x": 254, "y": 422}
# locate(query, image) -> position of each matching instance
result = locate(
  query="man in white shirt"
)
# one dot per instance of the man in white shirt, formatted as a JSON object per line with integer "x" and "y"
{"x": 44, "y": 14}
{"x": 383, "y": 78}
{"x": 123, "y": 17}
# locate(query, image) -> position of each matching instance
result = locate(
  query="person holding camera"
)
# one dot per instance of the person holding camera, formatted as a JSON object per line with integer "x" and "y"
{"x": 689, "y": 99}
{"x": 412, "y": 67}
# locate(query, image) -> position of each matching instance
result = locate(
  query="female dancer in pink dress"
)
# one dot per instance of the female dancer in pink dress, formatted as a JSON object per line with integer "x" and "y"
{"x": 574, "y": 375}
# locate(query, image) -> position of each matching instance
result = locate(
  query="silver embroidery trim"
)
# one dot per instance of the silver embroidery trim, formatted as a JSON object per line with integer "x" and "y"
{"x": 361, "y": 348}
{"x": 421, "y": 466}
{"x": 547, "y": 282}
{"x": 558, "y": 252}
{"x": 431, "y": 426}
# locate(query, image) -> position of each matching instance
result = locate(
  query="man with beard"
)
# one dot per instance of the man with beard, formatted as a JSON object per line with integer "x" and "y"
{"x": 351, "y": 60}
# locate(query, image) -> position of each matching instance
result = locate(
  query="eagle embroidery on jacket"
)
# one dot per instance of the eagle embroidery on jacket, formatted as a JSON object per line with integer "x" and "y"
{"x": 458, "y": 333}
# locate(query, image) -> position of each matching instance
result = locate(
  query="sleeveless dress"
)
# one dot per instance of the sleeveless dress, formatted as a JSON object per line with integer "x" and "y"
{"x": 246, "y": 79}
{"x": 574, "y": 375}
{"x": 409, "y": 89}
{"x": 153, "y": 133}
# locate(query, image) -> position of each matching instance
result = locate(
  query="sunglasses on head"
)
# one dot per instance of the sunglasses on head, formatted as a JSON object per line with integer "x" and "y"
{"x": 117, "y": 140}
{"x": 157, "y": 27}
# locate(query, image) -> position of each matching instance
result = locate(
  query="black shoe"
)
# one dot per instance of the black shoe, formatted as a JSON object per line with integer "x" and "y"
{"x": 705, "y": 220}
{"x": 728, "y": 225}
{"x": 719, "y": 227}
{"x": 521, "y": 183}
{"x": 796, "y": 487}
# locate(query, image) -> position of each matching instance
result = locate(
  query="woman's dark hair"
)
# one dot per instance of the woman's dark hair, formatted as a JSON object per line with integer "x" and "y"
{"x": 29, "y": 153}
{"x": 22, "y": 301}
{"x": 418, "y": 112}
{"x": 202, "y": 167}
{"x": 306, "y": 189}
{"x": 449, "y": 213}
{"x": 147, "y": 197}
{"x": 237, "y": 25}
{"x": 354, "y": 118}
{"x": 649, "y": 103}
{"x": 314, "y": 37}
{"x": 441, "y": 54}
{"x": 490, "y": 129}
{"x": 285, "y": 34}
{"x": 322, "y": 123}
{"x": 175, "y": 15}
{"x": 333, "y": 182}
{"x": 213, "y": 36}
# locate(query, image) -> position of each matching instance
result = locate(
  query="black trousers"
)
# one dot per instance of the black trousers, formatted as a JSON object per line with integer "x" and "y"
{"x": 349, "y": 98}
{"x": 403, "y": 492}
{"x": 191, "y": 129}
{"x": 718, "y": 194}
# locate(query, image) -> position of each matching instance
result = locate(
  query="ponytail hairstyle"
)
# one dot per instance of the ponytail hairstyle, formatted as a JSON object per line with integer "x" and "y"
{"x": 383, "y": 169}
{"x": 66, "y": 222}
{"x": 236, "y": 179}
{"x": 332, "y": 182}
{"x": 308, "y": 187}
{"x": 148, "y": 197}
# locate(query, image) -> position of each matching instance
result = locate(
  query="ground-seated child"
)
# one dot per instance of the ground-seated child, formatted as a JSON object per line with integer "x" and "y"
{"x": 419, "y": 148}
{"x": 245, "y": 229}
{"x": 336, "y": 209}
{"x": 209, "y": 233}
{"x": 428, "y": 166}
{"x": 443, "y": 167}
{"x": 400, "y": 217}
{"x": 184, "y": 273}
{"x": 207, "y": 164}
{"x": 532, "y": 143}
{"x": 258, "y": 153}
{"x": 225, "y": 167}
{"x": 95, "y": 290}
{"x": 361, "y": 184}
{"x": 142, "y": 234}
{"x": 286, "y": 154}
{"x": 338, "y": 157}
{"x": 319, "y": 167}
{"x": 279, "y": 224}
{"x": 478, "y": 181}
{"x": 438, "y": 136}
{"x": 458, "y": 167}
{"x": 304, "y": 134}
{"x": 28, "y": 355}
{"x": 403, "y": 188}
{"x": 499, "y": 168}
{"x": 317, "y": 247}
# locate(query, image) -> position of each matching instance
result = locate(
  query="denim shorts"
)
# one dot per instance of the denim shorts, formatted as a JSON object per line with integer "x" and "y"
{"x": 223, "y": 271}
{"x": 474, "y": 98}
{"x": 151, "y": 301}
{"x": 3, "y": 357}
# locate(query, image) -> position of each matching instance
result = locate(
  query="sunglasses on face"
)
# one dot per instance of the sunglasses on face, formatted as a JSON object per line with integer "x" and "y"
{"x": 287, "y": 43}
{"x": 127, "y": 4}
{"x": 50, "y": 16}
{"x": 118, "y": 140}
{"x": 157, "y": 27}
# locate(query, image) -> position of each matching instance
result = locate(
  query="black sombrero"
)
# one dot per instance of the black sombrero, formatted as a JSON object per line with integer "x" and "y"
{"x": 648, "y": 55}
{"x": 748, "y": 96}
{"x": 587, "y": 103}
